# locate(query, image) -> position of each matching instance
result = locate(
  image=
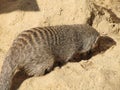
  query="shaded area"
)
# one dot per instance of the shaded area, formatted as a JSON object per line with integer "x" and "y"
{"x": 7, "y": 6}
{"x": 91, "y": 19}
{"x": 100, "y": 11}
{"x": 18, "y": 79}
{"x": 113, "y": 16}
{"x": 104, "y": 43}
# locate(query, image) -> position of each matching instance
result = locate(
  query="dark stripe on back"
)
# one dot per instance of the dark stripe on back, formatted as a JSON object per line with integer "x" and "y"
{"x": 32, "y": 32}
{"x": 60, "y": 36}
{"x": 35, "y": 35}
{"x": 52, "y": 35}
{"x": 21, "y": 40}
{"x": 46, "y": 32}
{"x": 38, "y": 35}
{"x": 56, "y": 37}
{"x": 39, "y": 30}
{"x": 18, "y": 44}
{"x": 27, "y": 37}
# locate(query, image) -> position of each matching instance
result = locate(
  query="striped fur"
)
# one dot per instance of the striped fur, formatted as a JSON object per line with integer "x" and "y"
{"x": 38, "y": 49}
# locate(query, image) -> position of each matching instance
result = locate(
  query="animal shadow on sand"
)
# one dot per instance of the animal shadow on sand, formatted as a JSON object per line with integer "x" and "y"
{"x": 104, "y": 43}
{"x": 7, "y": 6}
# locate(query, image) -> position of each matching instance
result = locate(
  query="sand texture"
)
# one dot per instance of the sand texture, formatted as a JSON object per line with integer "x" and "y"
{"x": 100, "y": 72}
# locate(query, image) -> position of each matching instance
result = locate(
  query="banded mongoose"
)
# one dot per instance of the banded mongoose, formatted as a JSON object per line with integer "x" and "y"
{"x": 38, "y": 49}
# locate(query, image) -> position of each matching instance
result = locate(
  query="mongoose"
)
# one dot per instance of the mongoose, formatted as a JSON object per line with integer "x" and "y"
{"x": 38, "y": 49}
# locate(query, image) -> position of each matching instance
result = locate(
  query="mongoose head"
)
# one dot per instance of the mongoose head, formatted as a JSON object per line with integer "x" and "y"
{"x": 90, "y": 38}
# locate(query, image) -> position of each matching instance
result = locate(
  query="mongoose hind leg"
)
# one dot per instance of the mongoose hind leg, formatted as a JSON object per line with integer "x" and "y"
{"x": 38, "y": 67}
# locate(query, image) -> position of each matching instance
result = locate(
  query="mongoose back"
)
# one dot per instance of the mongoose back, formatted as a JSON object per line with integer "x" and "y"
{"x": 36, "y": 50}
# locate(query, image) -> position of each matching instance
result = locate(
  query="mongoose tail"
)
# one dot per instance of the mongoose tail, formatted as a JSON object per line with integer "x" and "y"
{"x": 8, "y": 71}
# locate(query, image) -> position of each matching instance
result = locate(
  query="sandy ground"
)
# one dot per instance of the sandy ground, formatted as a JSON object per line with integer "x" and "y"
{"x": 100, "y": 72}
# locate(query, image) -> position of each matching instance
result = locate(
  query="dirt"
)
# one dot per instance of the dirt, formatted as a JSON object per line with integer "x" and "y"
{"x": 101, "y": 71}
